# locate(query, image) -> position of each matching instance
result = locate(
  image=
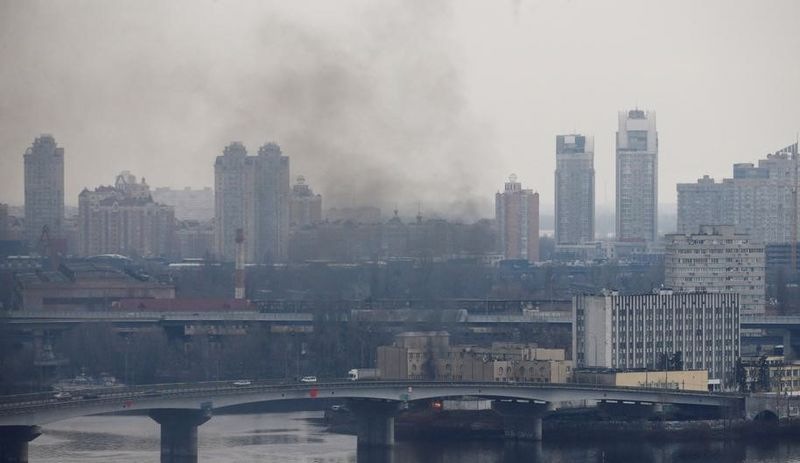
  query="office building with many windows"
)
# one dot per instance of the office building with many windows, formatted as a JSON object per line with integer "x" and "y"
{"x": 649, "y": 331}
{"x": 716, "y": 259}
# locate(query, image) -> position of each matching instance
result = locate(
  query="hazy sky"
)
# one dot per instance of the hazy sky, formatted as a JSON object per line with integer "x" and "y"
{"x": 393, "y": 101}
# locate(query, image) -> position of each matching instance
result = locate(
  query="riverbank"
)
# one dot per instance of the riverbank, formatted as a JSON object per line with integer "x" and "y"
{"x": 488, "y": 425}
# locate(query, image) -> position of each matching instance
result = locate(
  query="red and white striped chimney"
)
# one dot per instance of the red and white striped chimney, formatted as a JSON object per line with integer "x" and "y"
{"x": 239, "y": 277}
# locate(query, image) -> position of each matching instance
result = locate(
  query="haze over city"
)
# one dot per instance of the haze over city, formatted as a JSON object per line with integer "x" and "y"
{"x": 393, "y": 103}
{"x": 399, "y": 231}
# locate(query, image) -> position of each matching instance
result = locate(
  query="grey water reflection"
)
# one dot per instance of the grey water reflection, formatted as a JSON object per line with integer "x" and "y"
{"x": 301, "y": 438}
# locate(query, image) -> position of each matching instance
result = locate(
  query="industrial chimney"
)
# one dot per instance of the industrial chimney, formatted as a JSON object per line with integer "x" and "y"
{"x": 239, "y": 291}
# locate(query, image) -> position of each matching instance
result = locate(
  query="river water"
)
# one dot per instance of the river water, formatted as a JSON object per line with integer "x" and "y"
{"x": 298, "y": 437}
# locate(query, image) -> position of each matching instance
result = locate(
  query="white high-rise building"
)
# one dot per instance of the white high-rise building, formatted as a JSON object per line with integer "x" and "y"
{"x": 626, "y": 332}
{"x": 44, "y": 189}
{"x": 637, "y": 177}
{"x": 574, "y": 212}
{"x": 715, "y": 259}
{"x": 252, "y": 193}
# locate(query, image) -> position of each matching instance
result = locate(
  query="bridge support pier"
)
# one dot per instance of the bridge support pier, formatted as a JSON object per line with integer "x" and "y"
{"x": 521, "y": 420}
{"x": 14, "y": 442}
{"x": 374, "y": 422}
{"x": 179, "y": 433}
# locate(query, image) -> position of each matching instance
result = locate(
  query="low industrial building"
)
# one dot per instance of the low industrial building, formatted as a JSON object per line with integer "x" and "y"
{"x": 428, "y": 355}
{"x": 688, "y": 380}
{"x": 83, "y": 286}
{"x": 783, "y": 374}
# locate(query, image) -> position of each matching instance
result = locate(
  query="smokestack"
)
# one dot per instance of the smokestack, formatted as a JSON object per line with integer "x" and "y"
{"x": 239, "y": 291}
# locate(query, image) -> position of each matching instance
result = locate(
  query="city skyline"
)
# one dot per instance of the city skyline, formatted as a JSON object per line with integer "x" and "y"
{"x": 465, "y": 121}
{"x": 285, "y": 208}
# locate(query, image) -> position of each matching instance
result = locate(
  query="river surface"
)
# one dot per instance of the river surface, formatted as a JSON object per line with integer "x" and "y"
{"x": 298, "y": 437}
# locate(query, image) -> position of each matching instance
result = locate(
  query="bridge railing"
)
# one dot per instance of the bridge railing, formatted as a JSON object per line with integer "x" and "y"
{"x": 150, "y": 316}
{"x": 27, "y": 404}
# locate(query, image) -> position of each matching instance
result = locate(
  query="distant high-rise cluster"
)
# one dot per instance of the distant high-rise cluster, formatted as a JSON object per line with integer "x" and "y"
{"x": 758, "y": 201}
{"x": 637, "y": 177}
{"x": 124, "y": 219}
{"x": 517, "y": 215}
{"x": 305, "y": 208}
{"x": 44, "y": 188}
{"x": 252, "y": 194}
{"x": 574, "y": 211}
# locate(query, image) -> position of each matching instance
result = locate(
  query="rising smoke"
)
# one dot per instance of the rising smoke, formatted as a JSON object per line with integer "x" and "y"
{"x": 369, "y": 105}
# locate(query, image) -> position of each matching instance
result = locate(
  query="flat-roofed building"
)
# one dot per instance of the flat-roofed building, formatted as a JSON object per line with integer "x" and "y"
{"x": 644, "y": 331}
{"x": 688, "y": 380}
{"x": 84, "y": 286}
{"x": 716, "y": 259}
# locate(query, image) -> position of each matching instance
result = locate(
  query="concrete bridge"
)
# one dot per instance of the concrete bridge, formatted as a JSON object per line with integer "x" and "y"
{"x": 181, "y": 408}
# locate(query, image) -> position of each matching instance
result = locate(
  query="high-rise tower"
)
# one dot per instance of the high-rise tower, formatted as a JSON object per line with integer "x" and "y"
{"x": 574, "y": 189}
{"x": 44, "y": 188}
{"x": 517, "y": 215}
{"x": 252, "y": 194}
{"x": 637, "y": 176}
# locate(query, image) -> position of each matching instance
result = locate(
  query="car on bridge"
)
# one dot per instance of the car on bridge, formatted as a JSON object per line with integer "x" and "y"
{"x": 308, "y": 379}
{"x": 63, "y": 395}
{"x": 242, "y": 382}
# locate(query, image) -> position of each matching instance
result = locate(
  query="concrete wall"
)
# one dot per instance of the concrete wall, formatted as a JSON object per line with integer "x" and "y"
{"x": 392, "y": 362}
{"x": 89, "y": 296}
{"x": 690, "y": 380}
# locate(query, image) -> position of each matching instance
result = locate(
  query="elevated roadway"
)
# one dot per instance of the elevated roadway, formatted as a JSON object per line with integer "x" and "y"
{"x": 39, "y": 409}
{"x": 556, "y": 318}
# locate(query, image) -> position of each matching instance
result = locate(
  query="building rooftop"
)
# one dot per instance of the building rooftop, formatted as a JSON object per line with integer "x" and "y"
{"x": 82, "y": 272}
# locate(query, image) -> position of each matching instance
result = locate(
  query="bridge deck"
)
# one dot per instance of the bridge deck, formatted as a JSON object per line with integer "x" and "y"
{"x": 41, "y": 409}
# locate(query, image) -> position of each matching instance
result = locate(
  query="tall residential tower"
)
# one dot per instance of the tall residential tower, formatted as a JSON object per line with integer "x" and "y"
{"x": 574, "y": 189}
{"x": 44, "y": 188}
{"x": 637, "y": 176}
{"x": 517, "y": 215}
{"x": 252, "y": 193}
